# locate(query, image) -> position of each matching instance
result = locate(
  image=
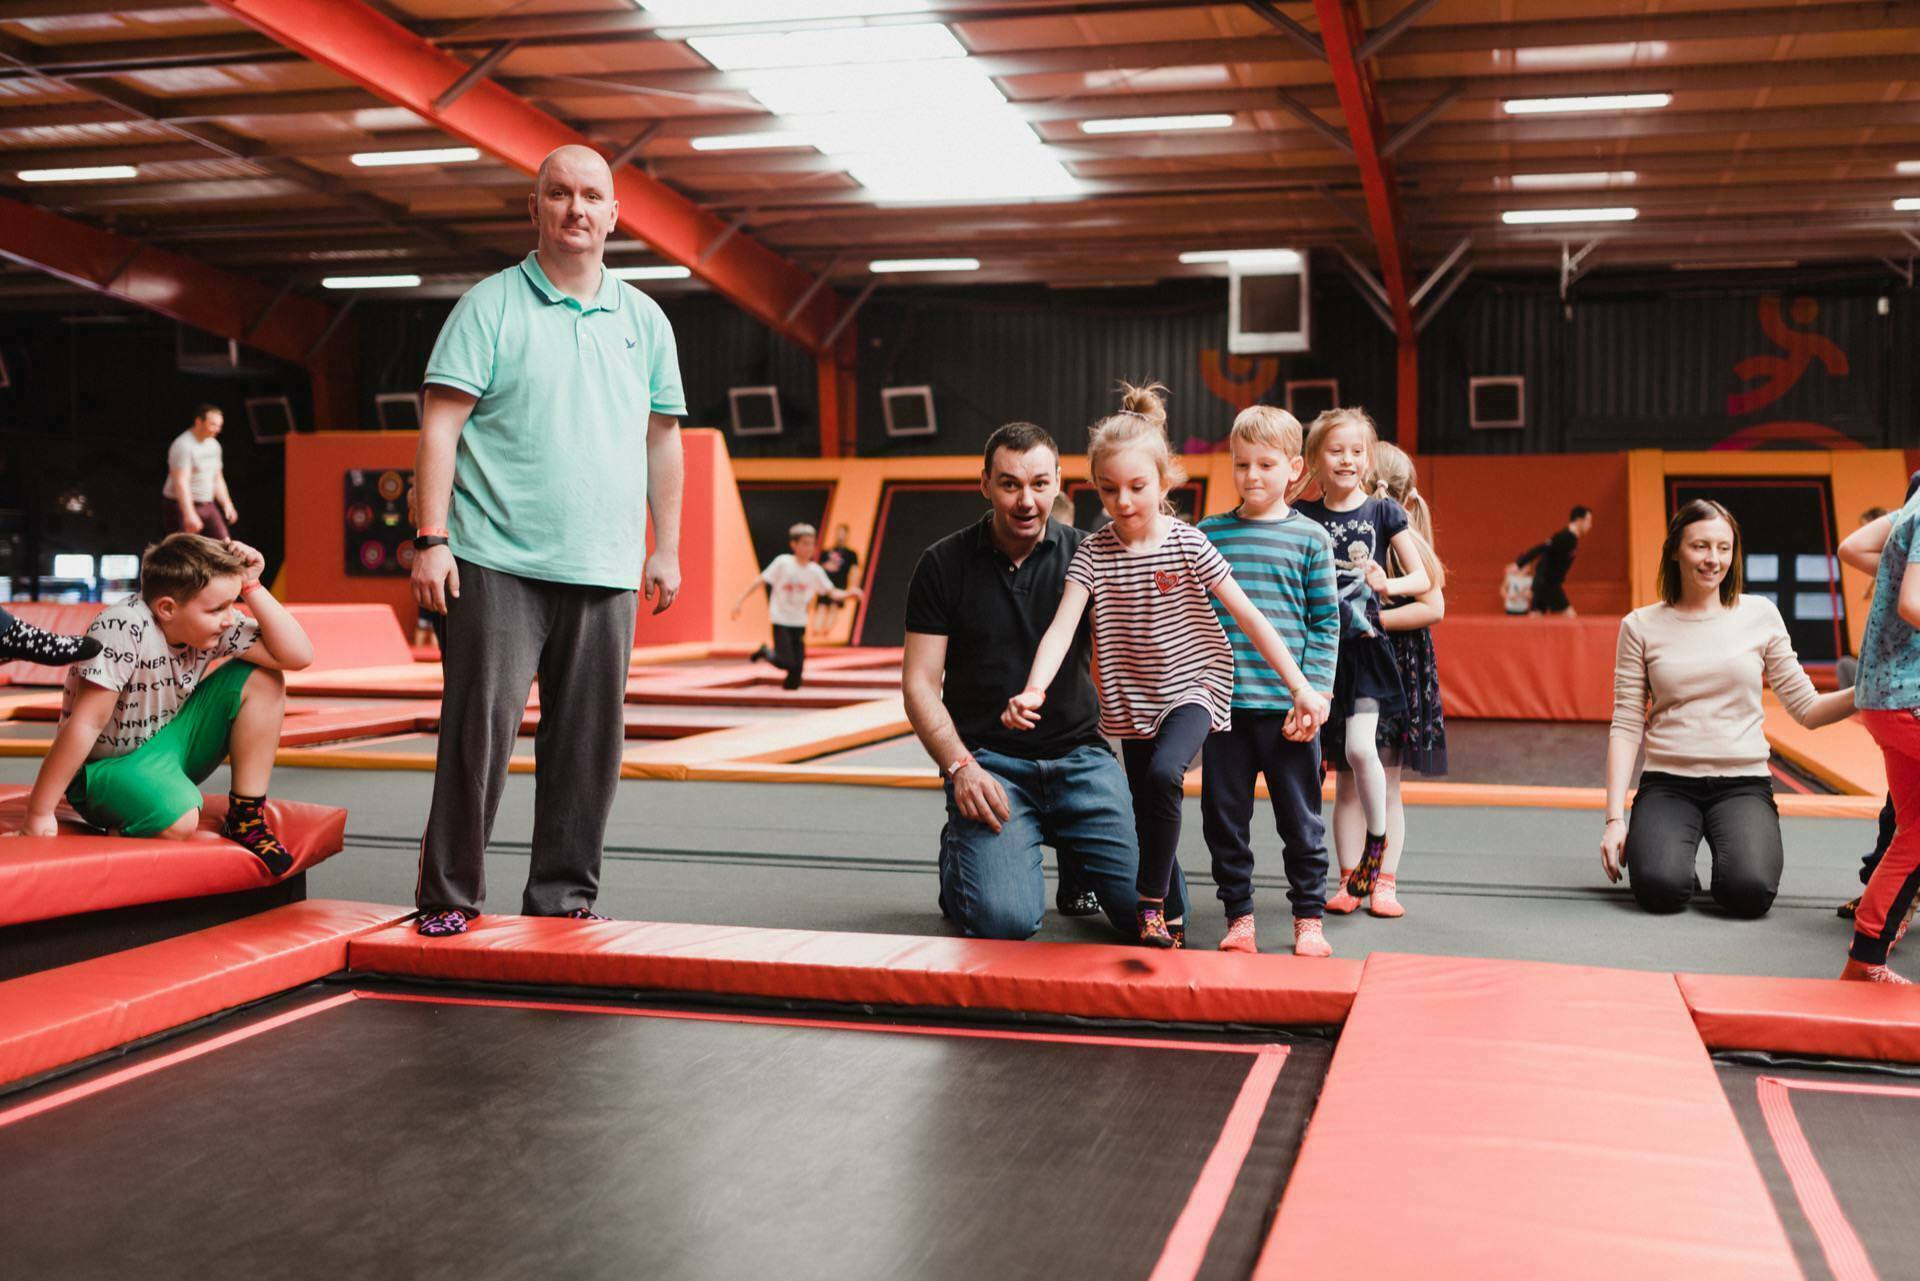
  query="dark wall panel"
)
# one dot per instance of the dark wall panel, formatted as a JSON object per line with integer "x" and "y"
{"x": 1667, "y": 369}
{"x": 84, "y": 430}
{"x": 1055, "y": 357}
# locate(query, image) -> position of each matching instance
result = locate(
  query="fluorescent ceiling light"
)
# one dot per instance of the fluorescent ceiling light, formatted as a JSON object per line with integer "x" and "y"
{"x": 1158, "y": 78}
{"x": 370, "y": 282}
{"x": 1739, "y": 264}
{"x": 428, "y": 156}
{"x": 649, "y": 273}
{"x": 1243, "y": 257}
{"x": 948, "y": 178}
{"x": 1596, "y": 178}
{"x": 718, "y": 13}
{"x": 1907, "y": 167}
{"x": 1522, "y": 217}
{"x": 1156, "y": 124}
{"x": 1572, "y": 57}
{"x": 952, "y": 84}
{"x": 752, "y": 141}
{"x": 884, "y": 266}
{"x": 89, "y": 173}
{"x": 833, "y": 46}
{"x": 1907, "y": 204}
{"x": 917, "y": 133}
{"x": 1602, "y": 102}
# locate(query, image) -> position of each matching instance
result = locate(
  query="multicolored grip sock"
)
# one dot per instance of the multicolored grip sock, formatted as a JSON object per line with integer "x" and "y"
{"x": 1360, "y": 884}
{"x": 247, "y": 825}
{"x": 27, "y": 643}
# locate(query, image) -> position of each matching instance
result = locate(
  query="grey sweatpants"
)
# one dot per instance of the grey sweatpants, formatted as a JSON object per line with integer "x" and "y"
{"x": 501, "y": 632}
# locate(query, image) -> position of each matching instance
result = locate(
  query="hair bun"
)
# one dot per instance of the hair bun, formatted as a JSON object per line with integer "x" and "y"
{"x": 1149, "y": 401}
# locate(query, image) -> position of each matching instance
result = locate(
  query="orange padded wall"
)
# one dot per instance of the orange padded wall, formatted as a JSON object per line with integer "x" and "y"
{"x": 1487, "y": 510}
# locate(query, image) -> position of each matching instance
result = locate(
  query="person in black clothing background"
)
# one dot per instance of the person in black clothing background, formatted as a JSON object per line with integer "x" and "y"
{"x": 839, "y": 560}
{"x": 1556, "y": 558}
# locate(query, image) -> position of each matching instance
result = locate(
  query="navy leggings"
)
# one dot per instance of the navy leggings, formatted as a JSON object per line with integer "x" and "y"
{"x": 1157, "y": 776}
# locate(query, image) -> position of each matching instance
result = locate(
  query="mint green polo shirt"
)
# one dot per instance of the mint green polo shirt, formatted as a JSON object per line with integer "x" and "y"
{"x": 550, "y": 481}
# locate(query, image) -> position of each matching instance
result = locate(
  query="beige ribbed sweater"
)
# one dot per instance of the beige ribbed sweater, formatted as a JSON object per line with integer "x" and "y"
{"x": 1691, "y": 687}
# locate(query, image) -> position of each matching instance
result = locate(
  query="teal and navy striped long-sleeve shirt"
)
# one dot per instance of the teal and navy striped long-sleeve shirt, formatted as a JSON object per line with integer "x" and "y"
{"x": 1286, "y": 569}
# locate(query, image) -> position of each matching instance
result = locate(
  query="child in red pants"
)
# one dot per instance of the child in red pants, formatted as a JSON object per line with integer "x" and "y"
{"x": 1888, "y": 695}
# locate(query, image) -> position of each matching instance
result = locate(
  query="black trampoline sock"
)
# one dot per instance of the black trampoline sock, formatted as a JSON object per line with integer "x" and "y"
{"x": 49, "y": 649}
{"x": 247, "y": 825}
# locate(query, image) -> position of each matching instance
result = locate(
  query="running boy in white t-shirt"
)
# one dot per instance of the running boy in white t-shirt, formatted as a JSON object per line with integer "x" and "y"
{"x": 792, "y": 582}
{"x": 144, "y": 722}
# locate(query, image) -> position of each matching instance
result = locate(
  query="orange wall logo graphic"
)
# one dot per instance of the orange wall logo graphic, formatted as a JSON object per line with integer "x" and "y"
{"x": 1778, "y": 375}
{"x": 1239, "y": 380}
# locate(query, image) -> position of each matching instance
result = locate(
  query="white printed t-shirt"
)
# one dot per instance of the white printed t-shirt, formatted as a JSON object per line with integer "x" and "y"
{"x": 201, "y": 459}
{"x": 791, "y": 588}
{"x": 153, "y": 678}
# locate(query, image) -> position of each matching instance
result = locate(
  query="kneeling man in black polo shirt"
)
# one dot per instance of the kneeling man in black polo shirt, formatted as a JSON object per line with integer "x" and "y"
{"x": 980, "y": 600}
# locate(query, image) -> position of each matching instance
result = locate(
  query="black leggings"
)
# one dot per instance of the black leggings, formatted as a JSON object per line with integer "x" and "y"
{"x": 1157, "y": 777}
{"x": 789, "y": 653}
{"x": 1742, "y": 827}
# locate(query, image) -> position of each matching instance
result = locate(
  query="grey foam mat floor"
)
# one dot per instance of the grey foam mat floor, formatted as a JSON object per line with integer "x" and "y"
{"x": 1518, "y": 883}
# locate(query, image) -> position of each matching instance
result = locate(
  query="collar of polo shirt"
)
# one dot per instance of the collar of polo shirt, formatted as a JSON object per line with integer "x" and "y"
{"x": 608, "y": 299}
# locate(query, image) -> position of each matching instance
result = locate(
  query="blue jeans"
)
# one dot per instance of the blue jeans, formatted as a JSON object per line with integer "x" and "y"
{"x": 992, "y": 884}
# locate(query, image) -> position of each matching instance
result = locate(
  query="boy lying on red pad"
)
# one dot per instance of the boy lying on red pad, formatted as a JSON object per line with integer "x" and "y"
{"x": 143, "y": 722}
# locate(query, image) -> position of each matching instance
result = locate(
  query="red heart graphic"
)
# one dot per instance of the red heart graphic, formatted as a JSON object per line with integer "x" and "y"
{"x": 1165, "y": 580}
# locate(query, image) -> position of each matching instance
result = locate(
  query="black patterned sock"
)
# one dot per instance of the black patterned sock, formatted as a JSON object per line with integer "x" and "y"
{"x": 33, "y": 644}
{"x": 247, "y": 825}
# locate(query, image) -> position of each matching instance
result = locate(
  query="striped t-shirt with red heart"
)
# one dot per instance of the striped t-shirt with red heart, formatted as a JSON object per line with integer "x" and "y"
{"x": 1156, "y": 642}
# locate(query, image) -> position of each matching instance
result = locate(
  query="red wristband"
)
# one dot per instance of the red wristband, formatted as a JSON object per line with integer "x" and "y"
{"x": 255, "y": 586}
{"x": 433, "y": 531}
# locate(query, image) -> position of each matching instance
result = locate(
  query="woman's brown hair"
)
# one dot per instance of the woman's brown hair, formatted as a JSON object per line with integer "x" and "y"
{"x": 1692, "y": 514}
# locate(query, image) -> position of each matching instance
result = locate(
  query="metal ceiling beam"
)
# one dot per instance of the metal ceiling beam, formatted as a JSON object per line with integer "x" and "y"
{"x": 1389, "y": 31}
{"x": 473, "y": 75}
{"x": 617, "y": 23}
{"x": 748, "y": 117}
{"x": 234, "y": 49}
{"x": 1341, "y": 31}
{"x": 237, "y": 307}
{"x": 1770, "y": 22}
{"x": 359, "y": 43}
{"x": 1845, "y": 118}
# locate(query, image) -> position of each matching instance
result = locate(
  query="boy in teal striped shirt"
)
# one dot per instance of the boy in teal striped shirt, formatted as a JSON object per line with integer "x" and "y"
{"x": 1284, "y": 561}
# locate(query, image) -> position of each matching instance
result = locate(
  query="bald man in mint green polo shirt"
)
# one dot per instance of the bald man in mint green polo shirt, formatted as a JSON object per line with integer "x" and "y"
{"x": 548, "y": 430}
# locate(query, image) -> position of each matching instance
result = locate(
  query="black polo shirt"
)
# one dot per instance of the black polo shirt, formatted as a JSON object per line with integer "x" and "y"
{"x": 993, "y": 614}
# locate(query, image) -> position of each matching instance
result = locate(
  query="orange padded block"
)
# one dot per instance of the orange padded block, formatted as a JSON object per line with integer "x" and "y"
{"x": 350, "y": 636}
{"x": 1822, "y": 1017}
{"x": 1843, "y": 756}
{"x": 44, "y": 877}
{"x": 1517, "y": 1119}
{"x": 63, "y": 1015}
{"x": 1536, "y": 668}
{"x": 880, "y": 969}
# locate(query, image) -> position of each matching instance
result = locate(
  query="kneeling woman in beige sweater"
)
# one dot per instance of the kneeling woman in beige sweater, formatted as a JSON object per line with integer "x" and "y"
{"x": 1686, "y": 683}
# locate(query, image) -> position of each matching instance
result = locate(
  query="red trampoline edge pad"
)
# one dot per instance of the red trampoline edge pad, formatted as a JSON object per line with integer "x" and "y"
{"x": 1524, "y": 1119}
{"x": 63, "y": 1015}
{"x": 81, "y": 870}
{"x": 1822, "y": 1017}
{"x": 1077, "y": 979}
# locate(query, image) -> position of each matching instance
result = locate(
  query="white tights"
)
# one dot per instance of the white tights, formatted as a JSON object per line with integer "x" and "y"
{"x": 1363, "y": 802}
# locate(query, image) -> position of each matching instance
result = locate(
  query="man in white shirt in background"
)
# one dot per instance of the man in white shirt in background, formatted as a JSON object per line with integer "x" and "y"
{"x": 196, "y": 488}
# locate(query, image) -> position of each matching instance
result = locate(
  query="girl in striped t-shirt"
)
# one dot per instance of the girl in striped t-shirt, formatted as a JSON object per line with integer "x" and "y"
{"x": 1163, "y": 665}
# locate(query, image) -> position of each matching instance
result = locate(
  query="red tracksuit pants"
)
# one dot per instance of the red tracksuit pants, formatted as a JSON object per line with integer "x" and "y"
{"x": 1890, "y": 893}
